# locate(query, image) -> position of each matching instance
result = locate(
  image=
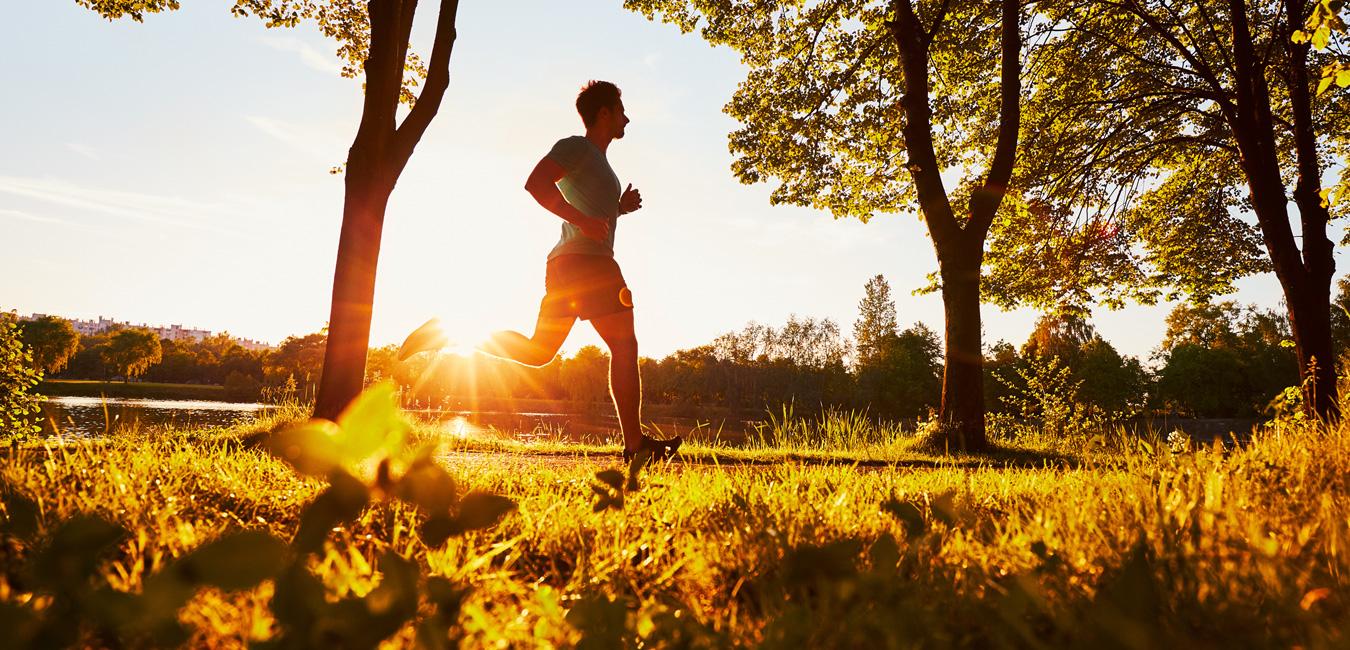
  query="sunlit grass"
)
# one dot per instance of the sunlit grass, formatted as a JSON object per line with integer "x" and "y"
{"x": 1240, "y": 547}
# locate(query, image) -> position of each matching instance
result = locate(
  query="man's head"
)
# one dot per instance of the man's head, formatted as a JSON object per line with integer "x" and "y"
{"x": 599, "y": 105}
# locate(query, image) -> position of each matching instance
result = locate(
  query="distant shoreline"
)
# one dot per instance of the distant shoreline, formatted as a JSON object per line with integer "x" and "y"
{"x": 134, "y": 390}
{"x": 210, "y": 393}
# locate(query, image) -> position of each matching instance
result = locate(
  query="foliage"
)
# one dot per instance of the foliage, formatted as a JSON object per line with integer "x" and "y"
{"x": 819, "y": 109}
{"x": 18, "y": 376}
{"x": 904, "y": 378}
{"x": 70, "y": 598}
{"x": 51, "y": 340}
{"x": 132, "y": 351}
{"x": 346, "y": 21}
{"x": 1224, "y": 360}
{"x": 1325, "y": 30}
{"x": 876, "y": 320}
{"x": 1239, "y": 547}
{"x": 1193, "y": 131}
{"x": 300, "y": 357}
{"x": 586, "y": 375}
{"x": 1110, "y": 384}
{"x": 1046, "y": 392}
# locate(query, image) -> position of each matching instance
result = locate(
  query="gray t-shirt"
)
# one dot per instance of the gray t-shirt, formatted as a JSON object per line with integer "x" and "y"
{"x": 591, "y": 187}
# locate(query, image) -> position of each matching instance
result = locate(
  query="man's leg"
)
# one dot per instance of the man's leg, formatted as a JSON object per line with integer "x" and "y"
{"x": 549, "y": 334}
{"x": 625, "y": 385}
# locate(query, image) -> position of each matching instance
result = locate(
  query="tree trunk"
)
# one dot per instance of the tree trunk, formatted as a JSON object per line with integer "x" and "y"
{"x": 378, "y": 155}
{"x": 960, "y": 248}
{"x": 963, "y": 375}
{"x": 344, "y": 359}
{"x": 1305, "y": 276}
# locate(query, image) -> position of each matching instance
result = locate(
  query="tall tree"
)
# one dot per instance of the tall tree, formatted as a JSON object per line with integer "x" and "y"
{"x": 859, "y": 107}
{"x": 876, "y": 320}
{"x": 300, "y": 358}
{"x": 373, "y": 36}
{"x": 132, "y": 351}
{"x": 51, "y": 340}
{"x": 1158, "y": 122}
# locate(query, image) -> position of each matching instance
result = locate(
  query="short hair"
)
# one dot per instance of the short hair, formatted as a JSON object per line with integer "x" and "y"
{"x": 594, "y": 96}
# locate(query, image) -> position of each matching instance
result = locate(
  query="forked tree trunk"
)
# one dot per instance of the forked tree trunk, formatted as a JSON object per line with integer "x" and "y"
{"x": 960, "y": 248}
{"x": 377, "y": 157}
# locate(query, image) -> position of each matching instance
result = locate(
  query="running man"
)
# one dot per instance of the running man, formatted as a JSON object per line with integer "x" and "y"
{"x": 582, "y": 280}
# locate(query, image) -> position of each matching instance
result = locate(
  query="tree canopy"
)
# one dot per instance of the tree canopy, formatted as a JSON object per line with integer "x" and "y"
{"x": 132, "y": 351}
{"x": 51, "y": 340}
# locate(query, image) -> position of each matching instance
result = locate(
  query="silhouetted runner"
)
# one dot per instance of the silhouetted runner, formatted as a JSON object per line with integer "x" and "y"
{"x": 582, "y": 280}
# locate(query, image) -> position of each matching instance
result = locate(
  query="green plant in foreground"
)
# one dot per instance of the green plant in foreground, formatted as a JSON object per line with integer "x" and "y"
{"x": 18, "y": 375}
{"x": 1238, "y": 547}
{"x": 63, "y": 572}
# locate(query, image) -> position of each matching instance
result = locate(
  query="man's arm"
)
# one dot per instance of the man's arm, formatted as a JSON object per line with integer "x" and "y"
{"x": 543, "y": 186}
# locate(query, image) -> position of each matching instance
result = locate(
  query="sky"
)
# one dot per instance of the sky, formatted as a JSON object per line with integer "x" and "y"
{"x": 176, "y": 171}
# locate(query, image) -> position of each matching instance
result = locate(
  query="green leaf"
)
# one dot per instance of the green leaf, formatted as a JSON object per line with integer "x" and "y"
{"x": 371, "y": 423}
{"x": 603, "y": 623}
{"x": 343, "y": 501}
{"x": 1324, "y": 84}
{"x": 72, "y": 557}
{"x": 480, "y": 509}
{"x": 907, "y": 514}
{"x": 427, "y": 485}
{"x": 22, "y": 515}
{"x": 1321, "y": 36}
{"x": 311, "y": 448}
{"x": 944, "y": 508}
{"x": 611, "y": 477}
{"x": 885, "y": 553}
{"x": 238, "y": 561}
{"x": 438, "y": 528}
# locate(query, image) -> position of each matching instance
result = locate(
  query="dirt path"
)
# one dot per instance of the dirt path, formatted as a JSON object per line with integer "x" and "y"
{"x": 471, "y": 460}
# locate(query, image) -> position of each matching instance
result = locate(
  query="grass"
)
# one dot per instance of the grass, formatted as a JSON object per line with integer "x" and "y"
{"x": 1208, "y": 547}
{"x": 138, "y": 390}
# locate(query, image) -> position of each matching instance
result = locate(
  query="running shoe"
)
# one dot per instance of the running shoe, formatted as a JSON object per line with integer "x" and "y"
{"x": 659, "y": 449}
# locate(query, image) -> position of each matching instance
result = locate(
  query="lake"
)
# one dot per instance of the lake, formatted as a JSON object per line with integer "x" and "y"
{"x": 95, "y": 416}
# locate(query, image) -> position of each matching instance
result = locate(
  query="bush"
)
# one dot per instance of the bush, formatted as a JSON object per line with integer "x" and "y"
{"x": 240, "y": 387}
{"x": 18, "y": 408}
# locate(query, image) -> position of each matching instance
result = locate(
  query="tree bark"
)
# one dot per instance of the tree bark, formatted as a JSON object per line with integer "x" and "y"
{"x": 1304, "y": 276}
{"x": 963, "y": 374}
{"x": 378, "y": 155}
{"x": 960, "y": 249}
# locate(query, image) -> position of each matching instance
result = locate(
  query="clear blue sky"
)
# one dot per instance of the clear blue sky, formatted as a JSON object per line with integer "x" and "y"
{"x": 176, "y": 171}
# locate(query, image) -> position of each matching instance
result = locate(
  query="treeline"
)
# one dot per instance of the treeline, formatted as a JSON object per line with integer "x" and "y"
{"x": 132, "y": 354}
{"x": 1216, "y": 360}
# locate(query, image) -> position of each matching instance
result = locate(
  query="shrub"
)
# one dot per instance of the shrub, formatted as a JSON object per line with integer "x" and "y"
{"x": 18, "y": 408}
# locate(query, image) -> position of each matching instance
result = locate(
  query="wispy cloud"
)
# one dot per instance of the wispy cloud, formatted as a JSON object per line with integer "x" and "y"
{"x": 310, "y": 56}
{"x": 29, "y": 217}
{"x": 321, "y": 140}
{"x": 83, "y": 150}
{"x": 166, "y": 210}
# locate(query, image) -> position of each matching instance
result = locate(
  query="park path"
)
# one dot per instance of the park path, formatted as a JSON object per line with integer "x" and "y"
{"x": 472, "y": 460}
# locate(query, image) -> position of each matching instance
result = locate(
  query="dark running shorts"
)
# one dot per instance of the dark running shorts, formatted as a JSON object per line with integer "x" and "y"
{"x": 585, "y": 287}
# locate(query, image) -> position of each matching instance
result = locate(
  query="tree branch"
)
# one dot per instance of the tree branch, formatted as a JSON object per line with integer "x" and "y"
{"x": 438, "y": 80}
{"x": 984, "y": 201}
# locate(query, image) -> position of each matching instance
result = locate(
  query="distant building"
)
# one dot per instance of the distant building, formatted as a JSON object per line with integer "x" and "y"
{"x": 172, "y": 332}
